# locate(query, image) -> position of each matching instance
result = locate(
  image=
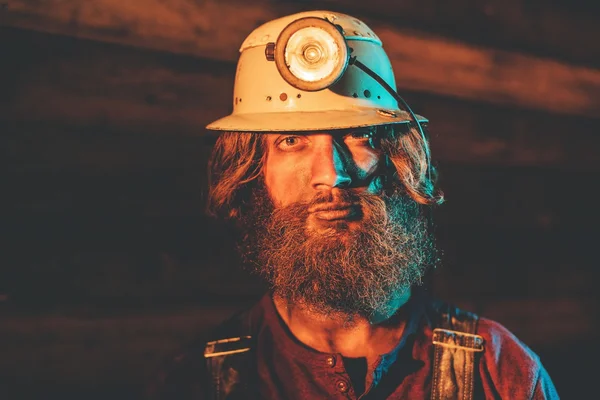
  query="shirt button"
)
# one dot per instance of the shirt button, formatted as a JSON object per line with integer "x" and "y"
{"x": 342, "y": 386}
{"x": 330, "y": 361}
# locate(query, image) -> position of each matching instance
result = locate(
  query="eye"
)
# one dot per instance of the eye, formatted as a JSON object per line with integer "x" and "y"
{"x": 362, "y": 134}
{"x": 290, "y": 143}
{"x": 360, "y": 137}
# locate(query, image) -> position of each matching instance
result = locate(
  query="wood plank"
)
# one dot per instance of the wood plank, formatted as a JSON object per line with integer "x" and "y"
{"x": 476, "y": 195}
{"x": 73, "y": 103}
{"x": 423, "y": 62}
{"x": 546, "y": 29}
{"x": 561, "y": 319}
{"x": 91, "y": 356}
{"x": 460, "y": 134}
{"x": 549, "y": 28}
{"x": 92, "y": 348}
{"x": 45, "y": 146}
{"x": 486, "y": 75}
{"x": 209, "y": 29}
{"x": 138, "y": 238}
{"x": 80, "y": 83}
{"x": 480, "y": 195}
{"x": 483, "y": 261}
{"x": 126, "y": 259}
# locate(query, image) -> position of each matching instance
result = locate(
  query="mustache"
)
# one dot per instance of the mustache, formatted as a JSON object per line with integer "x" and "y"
{"x": 334, "y": 196}
{"x": 337, "y": 204}
{"x": 332, "y": 200}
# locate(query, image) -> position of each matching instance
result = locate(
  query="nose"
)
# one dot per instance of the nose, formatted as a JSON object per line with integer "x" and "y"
{"x": 329, "y": 164}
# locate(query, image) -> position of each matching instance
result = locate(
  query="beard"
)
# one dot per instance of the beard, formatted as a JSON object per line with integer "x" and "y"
{"x": 356, "y": 266}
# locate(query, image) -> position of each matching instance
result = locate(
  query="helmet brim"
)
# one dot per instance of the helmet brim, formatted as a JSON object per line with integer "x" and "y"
{"x": 311, "y": 120}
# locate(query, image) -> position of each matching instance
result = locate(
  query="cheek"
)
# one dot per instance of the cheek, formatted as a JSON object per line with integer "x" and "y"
{"x": 367, "y": 161}
{"x": 285, "y": 182}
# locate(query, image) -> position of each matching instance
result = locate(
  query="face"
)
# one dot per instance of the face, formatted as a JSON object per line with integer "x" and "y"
{"x": 323, "y": 231}
{"x": 299, "y": 167}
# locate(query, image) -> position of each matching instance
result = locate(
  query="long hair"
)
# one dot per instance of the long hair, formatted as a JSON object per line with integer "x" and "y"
{"x": 238, "y": 158}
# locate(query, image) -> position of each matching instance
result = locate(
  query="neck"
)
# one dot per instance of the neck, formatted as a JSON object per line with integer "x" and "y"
{"x": 350, "y": 335}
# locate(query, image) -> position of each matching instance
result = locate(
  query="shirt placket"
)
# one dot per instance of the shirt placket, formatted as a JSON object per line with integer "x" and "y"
{"x": 340, "y": 379}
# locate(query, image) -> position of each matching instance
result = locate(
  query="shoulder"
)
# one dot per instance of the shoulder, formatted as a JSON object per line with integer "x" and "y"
{"x": 184, "y": 374}
{"x": 180, "y": 375}
{"x": 502, "y": 346}
{"x": 509, "y": 367}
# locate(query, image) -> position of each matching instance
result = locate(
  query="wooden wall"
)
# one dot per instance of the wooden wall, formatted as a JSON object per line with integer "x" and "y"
{"x": 106, "y": 260}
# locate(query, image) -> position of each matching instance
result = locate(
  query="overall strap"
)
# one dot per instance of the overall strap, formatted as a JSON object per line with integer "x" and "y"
{"x": 456, "y": 349}
{"x": 229, "y": 359}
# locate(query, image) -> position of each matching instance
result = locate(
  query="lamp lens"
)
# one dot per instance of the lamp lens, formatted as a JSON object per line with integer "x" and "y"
{"x": 312, "y": 54}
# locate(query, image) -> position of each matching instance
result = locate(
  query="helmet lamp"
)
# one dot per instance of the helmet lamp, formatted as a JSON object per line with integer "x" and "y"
{"x": 311, "y": 54}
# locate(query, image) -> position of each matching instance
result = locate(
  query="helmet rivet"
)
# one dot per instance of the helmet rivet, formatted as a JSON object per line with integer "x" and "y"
{"x": 268, "y": 98}
{"x": 367, "y": 93}
{"x": 283, "y": 96}
{"x": 354, "y": 95}
{"x": 298, "y": 95}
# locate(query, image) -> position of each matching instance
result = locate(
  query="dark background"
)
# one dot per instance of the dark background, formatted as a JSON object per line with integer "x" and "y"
{"x": 107, "y": 263}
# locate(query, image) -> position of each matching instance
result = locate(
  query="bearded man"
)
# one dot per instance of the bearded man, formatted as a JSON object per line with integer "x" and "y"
{"x": 326, "y": 172}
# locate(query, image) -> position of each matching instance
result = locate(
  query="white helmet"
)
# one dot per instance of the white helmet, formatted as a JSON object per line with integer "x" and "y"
{"x": 294, "y": 75}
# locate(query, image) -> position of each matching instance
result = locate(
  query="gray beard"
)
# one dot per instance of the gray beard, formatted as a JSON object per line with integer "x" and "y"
{"x": 353, "y": 272}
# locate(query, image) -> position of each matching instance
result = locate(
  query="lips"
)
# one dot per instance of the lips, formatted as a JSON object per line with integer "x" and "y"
{"x": 333, "y": 212}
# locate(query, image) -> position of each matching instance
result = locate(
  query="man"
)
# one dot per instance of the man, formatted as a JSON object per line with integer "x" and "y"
{"x": 326, "y": 172}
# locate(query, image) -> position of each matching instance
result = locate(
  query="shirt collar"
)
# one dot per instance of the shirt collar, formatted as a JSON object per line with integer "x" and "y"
{"x": 284, "y": 341}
